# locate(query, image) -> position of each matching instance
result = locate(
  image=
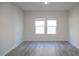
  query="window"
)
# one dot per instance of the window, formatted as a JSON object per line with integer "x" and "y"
{"x": 51, "y": 26}
{"x": 42, "y": 26}
{"x": 39, "y": 27}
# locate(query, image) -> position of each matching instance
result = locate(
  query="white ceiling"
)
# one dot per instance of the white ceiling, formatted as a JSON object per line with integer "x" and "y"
{"x": 51, "y": 6}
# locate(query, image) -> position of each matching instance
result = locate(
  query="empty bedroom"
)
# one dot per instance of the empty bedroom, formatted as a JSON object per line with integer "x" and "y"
{"x": 39, "y": 28}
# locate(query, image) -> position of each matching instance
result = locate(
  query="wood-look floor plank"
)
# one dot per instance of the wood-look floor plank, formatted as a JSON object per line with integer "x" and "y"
{"x": 44, "y": 49}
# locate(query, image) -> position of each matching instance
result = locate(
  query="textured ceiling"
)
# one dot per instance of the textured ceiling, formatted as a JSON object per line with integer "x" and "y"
{"x": 51, "y": 6}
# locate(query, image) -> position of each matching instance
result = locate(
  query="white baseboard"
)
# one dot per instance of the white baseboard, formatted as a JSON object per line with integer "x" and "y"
{"x": 11, "y": 49}
{"x": 74, "y": 45}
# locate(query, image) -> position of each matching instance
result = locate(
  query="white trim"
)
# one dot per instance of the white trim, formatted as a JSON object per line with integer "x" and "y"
{"x": 11, "y": 49}
{"x": 74, "y": 44}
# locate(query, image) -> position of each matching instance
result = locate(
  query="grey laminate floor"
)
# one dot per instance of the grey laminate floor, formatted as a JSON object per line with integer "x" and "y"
{"x": 44, "y": 49}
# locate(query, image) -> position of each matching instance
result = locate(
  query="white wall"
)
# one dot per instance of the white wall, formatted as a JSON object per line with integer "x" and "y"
{"x": 10, "y": 27}
{"x": 74, "y": 27}
{"x": 62, "y": 26}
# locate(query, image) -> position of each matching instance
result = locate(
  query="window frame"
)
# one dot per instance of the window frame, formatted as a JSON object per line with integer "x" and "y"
{"x": 45, "y": 26}
{"x": 40, "y": 19}
{"x": 51, "y": 26}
